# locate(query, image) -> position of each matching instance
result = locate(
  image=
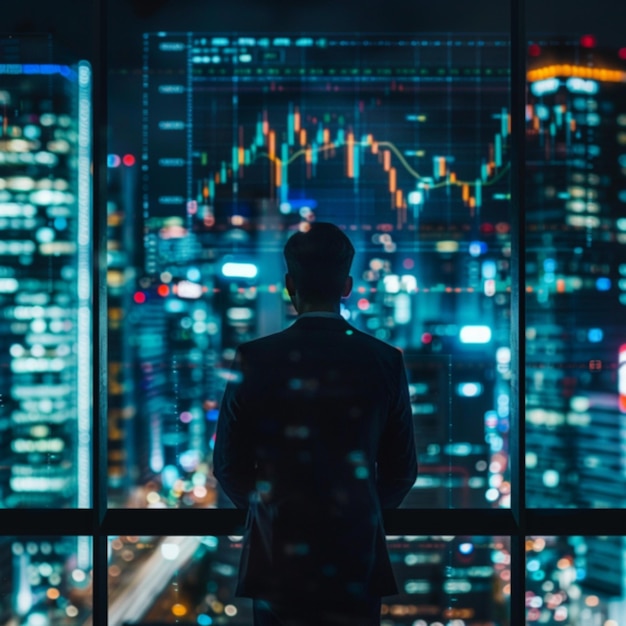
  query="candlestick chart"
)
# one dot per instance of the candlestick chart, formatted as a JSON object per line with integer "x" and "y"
{"x": 403, "y": 135}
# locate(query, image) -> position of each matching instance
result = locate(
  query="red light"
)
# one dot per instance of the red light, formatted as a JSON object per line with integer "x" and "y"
{"x": 534, "y": 50}
{"x": 128, "y": 160}
{"x": 621, "y": 53}
{"x": 408, "y": 264}
{"x": 363, "y": 304}
{"x": 139, "y": 297}
{"x": 588, "y": 41}
{"x": 163, "y": 290}
{"x": 427, "y": 338}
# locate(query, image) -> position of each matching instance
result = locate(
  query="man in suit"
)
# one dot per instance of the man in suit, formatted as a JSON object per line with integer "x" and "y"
{"x": 315, "y": 438}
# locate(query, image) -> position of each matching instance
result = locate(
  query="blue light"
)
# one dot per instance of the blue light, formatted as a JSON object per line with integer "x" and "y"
{"x": 476, "y": 248}
{"x": 489, "y": 270}
{"x": 169, "y": 476}
{"x": 603, "y": 283}
{"x": 469, "y": 389}
{"x": 595, "y": 335}
{"x": 193, "y": 273}
{"x": 542, "y": 87}
{"x": 533, "y": 565}
{"x": 466, "y": 548}
{"x": 174, "y": 306}
{"x": 204, "y": 620}
{"x": 212, "y": 414}
{"x": 60, "y": 223}
{"x": 113, "y": 160}
{"x": 549, "y": 266}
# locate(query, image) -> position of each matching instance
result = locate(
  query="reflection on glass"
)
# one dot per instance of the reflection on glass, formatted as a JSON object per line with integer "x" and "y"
{"x": 45, "y": 581}
{"x": 247, "y": 139}
{"x": 576, "y": 276}
{"x": 45, "y": 355}
{"x": 192, "y": 579}
{"x": 576, "y": 580}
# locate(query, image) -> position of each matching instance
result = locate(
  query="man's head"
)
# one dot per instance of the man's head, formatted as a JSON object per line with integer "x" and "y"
{"x": 318, "y": 267}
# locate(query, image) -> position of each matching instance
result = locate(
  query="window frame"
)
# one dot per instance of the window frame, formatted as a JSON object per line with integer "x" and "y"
{"x": 518, "y": 522}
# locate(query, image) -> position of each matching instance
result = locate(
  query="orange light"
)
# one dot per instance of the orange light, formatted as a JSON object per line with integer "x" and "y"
{"x": 399, "y": 199}
{"x": 580, "y": 71}
{"x": 452, "y": 177}
{"x": 163, "y": 290}
{"x": 465, "y": 192}
{"x": 278, "y": 173}
{"x": 386, "y": 160}
{"x": 350, "y": 155}
{"x": 53, "y": 593}
{"x": 374, "y": 147}
{"x": 392, "y": 180}
{"x": 179, "y": 610}
{"x": 303, "y": 137}
{"x": 326, "y": 135}
{"x": 442, "y": 166}
{"x": 272, "y": 144}
{"x": 296, "y": 120}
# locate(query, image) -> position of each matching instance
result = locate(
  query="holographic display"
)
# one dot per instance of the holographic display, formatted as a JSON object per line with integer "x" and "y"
{"x": 401, "y": 142}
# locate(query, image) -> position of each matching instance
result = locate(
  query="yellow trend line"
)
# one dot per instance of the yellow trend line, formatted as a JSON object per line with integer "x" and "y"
{"x": 400, "y": 156}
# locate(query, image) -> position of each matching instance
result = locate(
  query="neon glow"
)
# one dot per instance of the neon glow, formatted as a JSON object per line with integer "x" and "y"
{"x": 239, "y": 270}
{"x": 475, "y": 334}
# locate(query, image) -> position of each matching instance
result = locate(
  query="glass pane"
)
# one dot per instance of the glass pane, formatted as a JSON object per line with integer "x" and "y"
{"x": 245, "y": 140}
{"x": 45, "y": 277}
{"x": 45, "y": 581}
{"x": 441, "y": 579}
{"x": 576, "y": 275}
{"x": 575, "y": 580}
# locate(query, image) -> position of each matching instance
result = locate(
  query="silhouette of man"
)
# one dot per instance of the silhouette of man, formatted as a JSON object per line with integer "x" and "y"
{"x": 315, "y": 438}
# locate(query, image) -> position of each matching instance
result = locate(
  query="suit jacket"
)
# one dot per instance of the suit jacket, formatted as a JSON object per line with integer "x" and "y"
{"x": 315, "y": 438}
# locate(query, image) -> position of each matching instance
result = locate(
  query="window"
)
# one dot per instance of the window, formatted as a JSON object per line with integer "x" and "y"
{"x": 479, "y": 171}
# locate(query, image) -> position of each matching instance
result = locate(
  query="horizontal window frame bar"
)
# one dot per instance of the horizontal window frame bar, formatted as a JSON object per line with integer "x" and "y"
{"x": 163, "y": 522}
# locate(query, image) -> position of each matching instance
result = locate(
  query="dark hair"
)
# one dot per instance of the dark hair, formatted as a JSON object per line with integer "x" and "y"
{"x": 318, "y": 261}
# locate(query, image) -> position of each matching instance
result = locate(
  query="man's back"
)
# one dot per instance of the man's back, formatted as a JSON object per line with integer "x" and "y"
{"x": 319, "y": 430}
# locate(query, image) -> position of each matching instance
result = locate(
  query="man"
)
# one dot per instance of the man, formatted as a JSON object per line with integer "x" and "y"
{"x": 315, "y": 438}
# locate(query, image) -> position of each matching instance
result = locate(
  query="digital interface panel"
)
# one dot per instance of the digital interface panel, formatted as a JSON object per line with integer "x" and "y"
{"x": 404, "y": 144}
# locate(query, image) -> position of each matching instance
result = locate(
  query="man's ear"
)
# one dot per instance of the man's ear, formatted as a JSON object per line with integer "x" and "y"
{"x": 347, "y": 287}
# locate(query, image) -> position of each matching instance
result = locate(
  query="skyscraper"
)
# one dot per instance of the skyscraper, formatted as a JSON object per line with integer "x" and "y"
{"x": 45, "y": 212}
{"x": 576, "y": 263}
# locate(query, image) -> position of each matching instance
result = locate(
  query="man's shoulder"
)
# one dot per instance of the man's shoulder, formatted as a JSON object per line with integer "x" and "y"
{"x": 289, "y": 336}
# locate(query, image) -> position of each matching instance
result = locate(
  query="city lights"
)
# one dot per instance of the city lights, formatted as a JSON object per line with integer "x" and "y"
{"x": 233, "y": 269}
{"x": 475, "y": 334}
